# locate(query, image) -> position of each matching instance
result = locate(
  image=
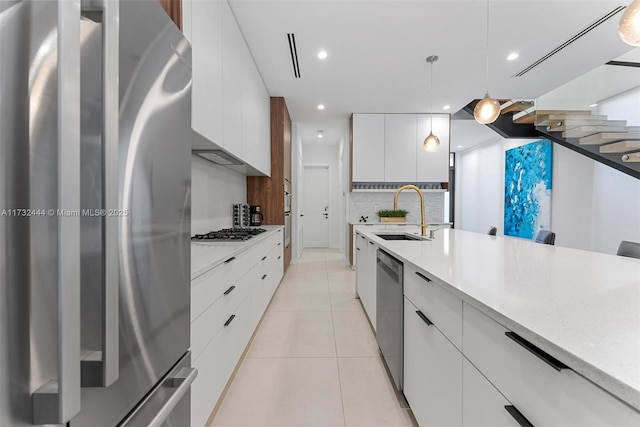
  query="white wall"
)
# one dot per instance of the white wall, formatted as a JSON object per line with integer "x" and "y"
{"x": 329, "y": 155}
{"x": 297, "y": 176}
{"x": 214, "y": 191}
{"x": 593, "y": 206}
{"x": 624, "y": 106}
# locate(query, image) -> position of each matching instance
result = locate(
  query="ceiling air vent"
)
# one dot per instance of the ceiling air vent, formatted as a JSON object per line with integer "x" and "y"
{"x": 294, "y": 54}
{"x": 591, "y": 27}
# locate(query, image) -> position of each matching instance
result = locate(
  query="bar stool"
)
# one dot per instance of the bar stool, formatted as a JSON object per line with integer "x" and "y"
{"x": 629, "y": 249}
{"x": 546, "y": 237}
{"x": 492, "y": 231}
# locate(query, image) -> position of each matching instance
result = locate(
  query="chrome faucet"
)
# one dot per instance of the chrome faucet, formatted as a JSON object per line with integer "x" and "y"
{"x": 423, "y": 223}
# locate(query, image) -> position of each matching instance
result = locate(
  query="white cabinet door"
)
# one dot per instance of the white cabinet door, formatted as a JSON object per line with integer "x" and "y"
{"x": 483, "y": 405}
{"x": 400, "y": 147}
{"x": 233, "y": 48}
{"x": 368, "y": 148}
{"x": 249, "y": 107}
{"x": 369, "y": 285}
{"x": 207, "y": 92}
{"x": 433, "y": 167}
{"x": 432, "y": 372}
{"x": 263, "y": 136}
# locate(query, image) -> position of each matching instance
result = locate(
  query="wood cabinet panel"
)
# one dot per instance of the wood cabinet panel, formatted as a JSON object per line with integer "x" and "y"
{"x": 268, "y": 192}
{"x": 174, "y": 10}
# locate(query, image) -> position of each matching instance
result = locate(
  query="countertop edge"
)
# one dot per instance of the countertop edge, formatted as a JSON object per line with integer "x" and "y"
{"x": 233, "y": 251}
{"x": 619, "y": 389}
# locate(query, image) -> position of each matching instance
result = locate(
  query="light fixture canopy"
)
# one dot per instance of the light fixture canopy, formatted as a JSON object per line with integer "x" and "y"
{"x": 431, "y": 142}
{"x": 488, "y": 109}
{"x": 629, "y": 25}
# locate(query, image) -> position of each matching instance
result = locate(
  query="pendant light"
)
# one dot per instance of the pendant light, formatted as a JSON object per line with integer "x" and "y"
{"x": 629, "y": 26}
{"x": 488, "y": 109}
{"x": 431, "y": 142}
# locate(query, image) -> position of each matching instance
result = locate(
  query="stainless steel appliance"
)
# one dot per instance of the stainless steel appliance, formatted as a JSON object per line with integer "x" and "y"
{"x": 255, "y": 213}
{"x": 287, "y": 229}
{"x": 287, "y": 198}
{"x": 229, "y": 234}
{"x": 95, "y": 199}
{"x": 390, "y": 313}
{"x": 241, "y": 215}
{"x": 287, "y": 215}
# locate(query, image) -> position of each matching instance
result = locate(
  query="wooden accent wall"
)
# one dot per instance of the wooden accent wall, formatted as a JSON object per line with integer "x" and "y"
{"x": 174, "y": 10}
{"x": 268, "y": 192}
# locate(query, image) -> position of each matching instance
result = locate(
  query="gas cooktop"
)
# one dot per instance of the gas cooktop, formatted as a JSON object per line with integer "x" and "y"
{"x": 229, "y": 234}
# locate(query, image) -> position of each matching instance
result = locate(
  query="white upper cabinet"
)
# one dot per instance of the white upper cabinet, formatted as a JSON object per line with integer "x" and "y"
{"x": 234, "y": 53}
{"x": 368, "y": 147}
{"x": 433, "y": 167}
{"x": 230, "y": 104}
{"x": 205, "y": 31}
{"x": 388, "y": 148}
{"x": 399, "y": 147}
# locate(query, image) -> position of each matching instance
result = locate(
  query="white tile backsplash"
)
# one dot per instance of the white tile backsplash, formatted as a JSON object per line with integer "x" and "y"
{"x": 214, "y": 191}
{"x": 365, "y": 204}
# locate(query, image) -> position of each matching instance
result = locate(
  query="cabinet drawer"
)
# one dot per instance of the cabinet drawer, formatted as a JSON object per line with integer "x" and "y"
{"x": 212, "y": 320}
{"x": 442, "y": 307}
{"x": 432, "y": 372}
{"x": 544, "y": 395}
{"x": 207, "y": 288}
{"x": 483, "y": 405}
{"x": 216, "y": 364}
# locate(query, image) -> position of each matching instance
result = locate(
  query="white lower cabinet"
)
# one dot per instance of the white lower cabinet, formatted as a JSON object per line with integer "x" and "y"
{"x": 545, "y": 395}
{"x": 483, "y": 405}
{"x": 230, "y": 301}
{"x": 432, "y": 372}
{"x": 366, "y": 253}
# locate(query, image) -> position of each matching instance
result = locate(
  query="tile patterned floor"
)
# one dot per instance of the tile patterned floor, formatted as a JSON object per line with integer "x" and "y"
{"x": 313, "y": 360}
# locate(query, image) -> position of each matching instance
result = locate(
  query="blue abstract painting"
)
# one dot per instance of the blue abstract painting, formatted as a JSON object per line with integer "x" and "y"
{"x": 527, "y": 189}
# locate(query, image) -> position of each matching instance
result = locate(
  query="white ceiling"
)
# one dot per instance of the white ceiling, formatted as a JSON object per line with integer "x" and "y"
{"x": 377, "y": 51}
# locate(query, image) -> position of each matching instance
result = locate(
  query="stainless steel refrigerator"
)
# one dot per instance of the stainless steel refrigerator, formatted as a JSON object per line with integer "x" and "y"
{"x": 95, "y": 178}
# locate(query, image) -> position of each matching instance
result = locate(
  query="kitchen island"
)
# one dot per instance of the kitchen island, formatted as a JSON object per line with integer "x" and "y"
{"x": 579, "y": 308}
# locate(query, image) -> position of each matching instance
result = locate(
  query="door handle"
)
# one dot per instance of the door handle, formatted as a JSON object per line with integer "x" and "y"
{"x": 101, "y": 368}
{"x": 181, "y": 382}
{"x": 517, "y": 415}
{"x": 58, "y": 400}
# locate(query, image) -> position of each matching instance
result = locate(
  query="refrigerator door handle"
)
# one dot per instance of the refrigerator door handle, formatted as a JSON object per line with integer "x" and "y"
{"x": 58, "y": 400}
{"x": 181, "y": 382}
{"x": 101, "y": 369}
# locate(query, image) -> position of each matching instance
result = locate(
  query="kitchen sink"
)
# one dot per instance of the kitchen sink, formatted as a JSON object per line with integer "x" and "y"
{"x": 400, "y": 237}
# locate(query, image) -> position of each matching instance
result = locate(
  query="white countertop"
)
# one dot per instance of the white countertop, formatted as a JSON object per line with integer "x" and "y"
{"x": 207, "y": 255}
{"x": 400, "y": 224}
{"x": 581, "y": 307}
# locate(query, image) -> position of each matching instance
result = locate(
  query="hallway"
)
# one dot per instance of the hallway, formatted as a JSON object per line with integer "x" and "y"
{"x": 313, "y": 360}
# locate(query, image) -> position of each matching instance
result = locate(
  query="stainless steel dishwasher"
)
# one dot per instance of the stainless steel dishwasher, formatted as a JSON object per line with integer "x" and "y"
{"x": 389, "y": 313}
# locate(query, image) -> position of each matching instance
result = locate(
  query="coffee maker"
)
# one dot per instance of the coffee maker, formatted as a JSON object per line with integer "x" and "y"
{"x": 256, "y": 215}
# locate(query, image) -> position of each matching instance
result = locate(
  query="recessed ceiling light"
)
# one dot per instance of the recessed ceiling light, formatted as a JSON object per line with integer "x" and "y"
{"x": 320, "y": 134}
{"x": 321, "y": 107}
{"x": 512, "y": 56}
{"x": 459, "y": 146}
{"x": 446, "y": 107}
{"x": 593, "y": 105}
{"x": 322, "y": 54}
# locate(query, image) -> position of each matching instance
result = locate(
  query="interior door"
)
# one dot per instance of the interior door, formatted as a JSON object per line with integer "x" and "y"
{"x": 316, "y": 208}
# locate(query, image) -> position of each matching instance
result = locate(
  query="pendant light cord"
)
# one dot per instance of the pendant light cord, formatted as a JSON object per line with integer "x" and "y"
{"x": 487, "y": 65}
{"x": 431, "y": 99}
